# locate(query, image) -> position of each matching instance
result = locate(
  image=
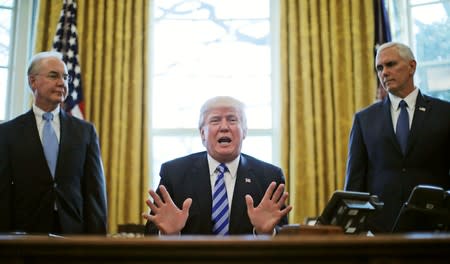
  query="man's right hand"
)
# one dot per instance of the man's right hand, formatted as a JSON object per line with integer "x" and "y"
{"x": 165, "y": 214}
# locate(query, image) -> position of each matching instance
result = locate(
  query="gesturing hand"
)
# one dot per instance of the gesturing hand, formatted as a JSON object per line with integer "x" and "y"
{"x": 166, "y": 215}
{"x": 268, "y": 213}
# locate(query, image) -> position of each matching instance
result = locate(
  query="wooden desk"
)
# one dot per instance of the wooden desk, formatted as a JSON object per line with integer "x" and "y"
{"x": 236, "y": 249}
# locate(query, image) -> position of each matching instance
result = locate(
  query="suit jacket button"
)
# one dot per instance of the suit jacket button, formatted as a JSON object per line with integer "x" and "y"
{"x": 55, "y": 185}
{"x": 403, "y": 169}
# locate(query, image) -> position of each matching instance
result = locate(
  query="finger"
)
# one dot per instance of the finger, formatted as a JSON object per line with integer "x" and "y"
{"x": 278, "y": 193}
{"x": 145, "y": 215}
{"x": 269, "y": 191}
{"x": 286, "y": 210}
{"x": 283, "y": 199}
{"x": 153, "y": 207}
{"x": 249, "y": 202}
{"x": 156, "y": 198}
{"x": 149, "y": 217}
{"x": 165, "y": 194}
{"x": 186, "y": 205}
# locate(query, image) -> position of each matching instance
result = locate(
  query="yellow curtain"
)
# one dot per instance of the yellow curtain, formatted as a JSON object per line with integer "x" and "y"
{"x": 112, "y": 38}
{"x": 326, "y": 75}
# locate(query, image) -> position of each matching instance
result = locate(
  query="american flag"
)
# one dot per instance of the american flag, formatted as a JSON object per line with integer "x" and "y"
{"x": 66, "y": 42}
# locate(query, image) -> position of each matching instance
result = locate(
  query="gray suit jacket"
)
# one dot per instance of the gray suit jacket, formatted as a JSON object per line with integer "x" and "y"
{"x": 189, "y": 177}
{"x": 27, "y": 190}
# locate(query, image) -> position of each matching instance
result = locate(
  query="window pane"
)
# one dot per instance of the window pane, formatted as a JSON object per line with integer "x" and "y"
{"x": 5, "y": 38}
{"x": 6, "y": 3}
{"x": 430, "y": 31}
{"x": 424, "y": 25}
{"x": 419, "y": 2}
{"x": 182, "y": 110}
{"x": 3, "y": 94}
{"x": 5, "y": 31}
{"x": 198, "y": 58}
{"x": 229, "y": 9}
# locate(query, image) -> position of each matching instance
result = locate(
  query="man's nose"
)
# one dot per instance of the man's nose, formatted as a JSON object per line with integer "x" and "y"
{"x": 385, "y": 71}
{"x": 224, "y": 125}
{"x": 60, "y": 82}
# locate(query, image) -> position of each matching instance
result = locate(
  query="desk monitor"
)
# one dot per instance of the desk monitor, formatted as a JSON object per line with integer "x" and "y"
{"x": 427, "y": 210}
{"x": 349, "y": 210}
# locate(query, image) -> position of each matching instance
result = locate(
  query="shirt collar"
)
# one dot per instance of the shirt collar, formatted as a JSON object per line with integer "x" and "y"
{"x": 232, "y": 166}
{"x": 410, "y": 99}
{"x": 38, "y": 112}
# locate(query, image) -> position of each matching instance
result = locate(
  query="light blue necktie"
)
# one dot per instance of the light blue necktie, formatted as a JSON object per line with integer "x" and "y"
{"x": 220, "y": 212}
{"x": 402, "y": 132}
{"x": 50, "y": 142}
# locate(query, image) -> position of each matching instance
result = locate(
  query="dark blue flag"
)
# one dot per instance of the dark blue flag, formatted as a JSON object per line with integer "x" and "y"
{"x": 382, "y": 35}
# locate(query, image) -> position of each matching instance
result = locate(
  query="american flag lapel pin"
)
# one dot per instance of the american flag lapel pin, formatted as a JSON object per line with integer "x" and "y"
{"x": 248, "y": 180}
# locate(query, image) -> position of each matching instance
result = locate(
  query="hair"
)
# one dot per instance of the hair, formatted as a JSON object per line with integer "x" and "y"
{"x": 34, "y": 64}
{"x": 223, "y": 101}
{"x": 403, "y": 50}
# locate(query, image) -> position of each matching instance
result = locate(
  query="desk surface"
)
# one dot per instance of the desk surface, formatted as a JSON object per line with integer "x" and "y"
{"x": 413, "y": 248}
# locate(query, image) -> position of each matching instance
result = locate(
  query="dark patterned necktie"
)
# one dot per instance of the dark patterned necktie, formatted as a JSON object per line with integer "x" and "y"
{"x": 220, "y": 211}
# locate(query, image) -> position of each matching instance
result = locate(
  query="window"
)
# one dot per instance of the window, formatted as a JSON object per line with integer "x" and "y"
{"x": 16, "y": 42}
{"x": 204, "y": 48}
{"x": 425, "y": 26}
{"x": 6, "y": 19}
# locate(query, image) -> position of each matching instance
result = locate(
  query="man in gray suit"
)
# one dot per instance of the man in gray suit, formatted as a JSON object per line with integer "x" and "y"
{"x": 62, "y": 192}
{"x": 183, "y": 203}
{"x": 389, "y": 158}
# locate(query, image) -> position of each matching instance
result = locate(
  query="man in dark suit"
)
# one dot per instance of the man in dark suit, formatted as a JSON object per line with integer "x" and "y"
{"x": 184, "y": 201}
{"x": 386, "y": 162}
{"x": 67, "y": 196}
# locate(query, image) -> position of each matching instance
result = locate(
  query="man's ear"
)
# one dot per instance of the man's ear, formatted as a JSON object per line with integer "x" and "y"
{"x": 202, "y": 135}
{"x": 31, "y": 81}
{"x": 413, "y": 65}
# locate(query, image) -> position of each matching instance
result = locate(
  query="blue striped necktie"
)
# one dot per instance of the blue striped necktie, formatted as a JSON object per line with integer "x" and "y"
{"x": 220, "y": 211}
{"x": 402, "y": 132}
{"x": 50, "y": 142}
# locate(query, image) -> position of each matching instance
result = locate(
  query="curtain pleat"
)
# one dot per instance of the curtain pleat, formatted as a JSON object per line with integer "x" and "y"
{"x": 113, "y": 44}
{"x": 326, "y": 75}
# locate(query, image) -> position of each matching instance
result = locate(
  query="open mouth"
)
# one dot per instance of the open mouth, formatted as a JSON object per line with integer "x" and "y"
{"x": 224, "y": 140}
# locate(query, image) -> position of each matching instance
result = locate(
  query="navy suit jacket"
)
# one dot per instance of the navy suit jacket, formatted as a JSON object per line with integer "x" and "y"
{"x": 189, "y": 177}
{"x": 28, "y": 192}
{"x": 376, "y": 164}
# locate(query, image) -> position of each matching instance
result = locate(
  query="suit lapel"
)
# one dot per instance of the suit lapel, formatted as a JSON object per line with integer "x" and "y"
{"x": 64, "y": 140}
{"x": 423, "y": 107}
{"x": 389, "y": 124}
{"x": 31, "y": 134}
{"x": 246, "y": 183}
{"x": 201, "y": 185}
{"x": 32, "y": 140}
